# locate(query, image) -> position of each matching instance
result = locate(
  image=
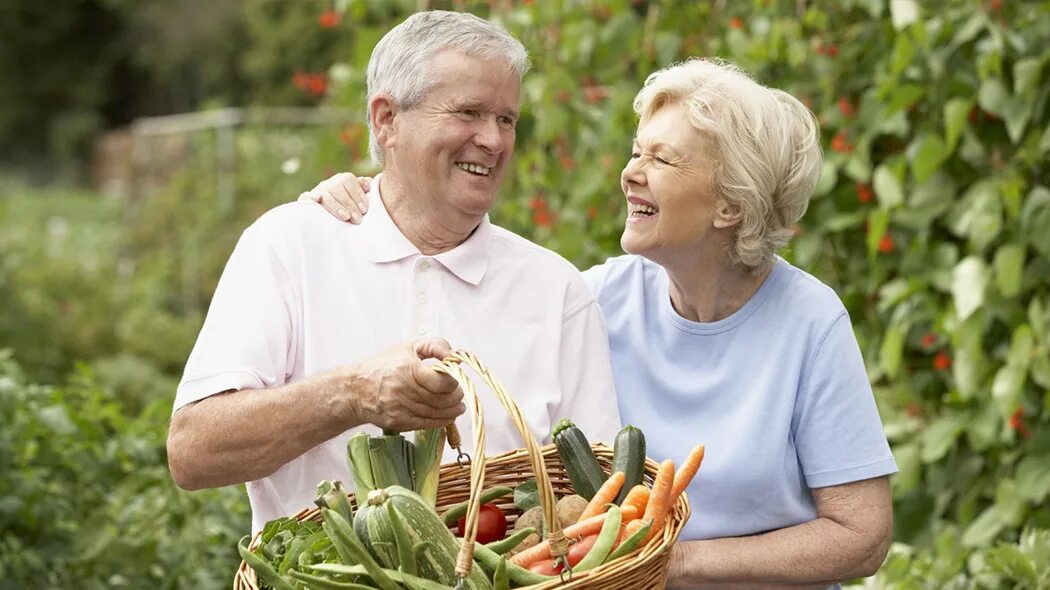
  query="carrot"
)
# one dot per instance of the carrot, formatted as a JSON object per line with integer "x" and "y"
{"x": 604, "y": 496}
{"x": 632, "y": 527}
{"x": 686, "y": 472}
{"x": 583, "y": 528}
{"x": 660, "y": 496}
{"x": 637, "y": 497}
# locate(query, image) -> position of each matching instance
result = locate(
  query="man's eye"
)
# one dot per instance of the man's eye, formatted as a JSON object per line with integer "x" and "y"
{"x": 635, "y": 155}
{"x": 507, "y": 122}
{"x": 661, "y": 160}
{"x": 473, "y": 114}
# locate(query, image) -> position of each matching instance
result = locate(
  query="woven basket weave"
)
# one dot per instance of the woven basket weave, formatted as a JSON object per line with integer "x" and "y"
{"x": 645, "y": 568}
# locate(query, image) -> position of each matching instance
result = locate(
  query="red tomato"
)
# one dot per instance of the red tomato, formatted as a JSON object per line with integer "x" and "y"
{"x": 546, "y": 567}
{"x": 578, "y": 550}
{"x": 492, "y": 524}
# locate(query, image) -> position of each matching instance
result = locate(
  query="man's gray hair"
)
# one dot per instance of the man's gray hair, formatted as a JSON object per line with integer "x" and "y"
{"x": 399, "y": 65}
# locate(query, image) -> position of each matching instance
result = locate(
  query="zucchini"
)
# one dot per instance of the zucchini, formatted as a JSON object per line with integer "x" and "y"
{"x": 420, "y": 524}
{"x": 629, "y": 457}
{"x": 581, "y": 465}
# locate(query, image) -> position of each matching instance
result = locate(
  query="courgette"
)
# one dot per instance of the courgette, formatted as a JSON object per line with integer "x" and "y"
{"x": 580, "y": 463}
{"x": 420, "y": 524}
{"x": 629, "y": 457}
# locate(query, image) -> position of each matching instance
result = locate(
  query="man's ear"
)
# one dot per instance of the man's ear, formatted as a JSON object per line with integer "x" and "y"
{"x": 727, "y": 215}
{"x": 381, "y": 112}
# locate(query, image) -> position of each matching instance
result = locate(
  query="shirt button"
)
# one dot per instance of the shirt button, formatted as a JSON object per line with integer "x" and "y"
{"x": 422, "y": 298}
{"x": 422, "y": 331}
{"x": 424, "y": 266}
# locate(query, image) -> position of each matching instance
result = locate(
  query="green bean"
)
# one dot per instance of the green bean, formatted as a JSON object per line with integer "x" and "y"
{"x": 604, "y": 544}
{"x": 450, "y": 516}
{"x": 510, "y": 542}
{"x": 262, "y": 568}
{"x": 326, "y": 584}
{"x": 631, "y": 543}
{"x": 500, "y": 581}
{"x": 489, "y": 559}
{"x": 396, "y": 576}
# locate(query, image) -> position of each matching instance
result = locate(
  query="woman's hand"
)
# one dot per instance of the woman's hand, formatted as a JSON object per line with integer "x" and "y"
{"x": 342, "y": 195}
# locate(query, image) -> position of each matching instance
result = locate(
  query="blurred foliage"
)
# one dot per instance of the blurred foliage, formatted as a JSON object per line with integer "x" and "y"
{"x": 930, "y": 221}
{"x": 86, "y": 500}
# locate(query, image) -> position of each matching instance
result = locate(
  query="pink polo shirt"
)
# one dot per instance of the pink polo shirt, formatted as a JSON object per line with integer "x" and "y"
{"x": 304, "y": 292}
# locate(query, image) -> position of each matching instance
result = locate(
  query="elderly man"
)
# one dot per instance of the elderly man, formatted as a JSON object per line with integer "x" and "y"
{"x": 289, "y": 362}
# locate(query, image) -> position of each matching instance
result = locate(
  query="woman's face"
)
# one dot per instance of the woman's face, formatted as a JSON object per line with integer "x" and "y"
{"x": 671, "y": 205}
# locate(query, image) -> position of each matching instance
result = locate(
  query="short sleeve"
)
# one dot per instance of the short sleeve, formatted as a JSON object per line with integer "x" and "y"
{"x": 589, "y": 395}
{"x": 837, "y": 429}
{"x": 247, "y": 341}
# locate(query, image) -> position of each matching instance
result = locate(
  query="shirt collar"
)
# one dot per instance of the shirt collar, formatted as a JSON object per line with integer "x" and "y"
{"x": 385, "y": 242}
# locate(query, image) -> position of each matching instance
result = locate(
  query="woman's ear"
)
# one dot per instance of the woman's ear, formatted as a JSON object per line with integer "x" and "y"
{"x": 727, "y": 215}
{"x": 381, "y": 112}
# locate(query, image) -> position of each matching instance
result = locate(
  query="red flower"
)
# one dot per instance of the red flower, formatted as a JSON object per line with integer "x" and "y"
{"x": 595, "y": 94}
{"x": 301, "y": 80}
{"x": 913, "y": 409}
{"x": 846, "y": 108}
{"x": 329, "y": 19}
{"x": 543, "y": 217}
{"x": 318, "y": 85}
{"x": 592, "y": 212}
{"x": 942, "y": 362}
{"x": 840, "y": 143}
{"x": 886, "y": 244}
{"x": 1017, "y": 423}
{"x": 864, "y": 194}
{"x": 832, "y": 50}
{"x": 736, "y": 23}
{"x": 929, "y": 340}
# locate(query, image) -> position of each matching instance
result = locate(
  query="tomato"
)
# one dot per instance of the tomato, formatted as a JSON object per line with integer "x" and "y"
{"x": 492, "y": 524}
{"x": 578, "y": 550}
{"x": 546, "y": 567}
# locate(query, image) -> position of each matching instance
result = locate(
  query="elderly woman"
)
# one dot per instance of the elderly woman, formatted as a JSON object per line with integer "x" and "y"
{"x": 715, "y": 338}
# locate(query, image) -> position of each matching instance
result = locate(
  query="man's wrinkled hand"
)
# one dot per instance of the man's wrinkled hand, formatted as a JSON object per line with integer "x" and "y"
{"x": 342, "y": 195}
{"x": 397, "y": 391}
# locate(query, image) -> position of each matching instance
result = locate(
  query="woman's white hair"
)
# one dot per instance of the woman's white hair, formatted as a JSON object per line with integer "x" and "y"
{"x": 764, "y": 143}
{"x": 400, "y": 62}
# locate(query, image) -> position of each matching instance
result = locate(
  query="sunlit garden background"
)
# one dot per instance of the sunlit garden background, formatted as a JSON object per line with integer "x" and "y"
{"x": 932, "y": 221}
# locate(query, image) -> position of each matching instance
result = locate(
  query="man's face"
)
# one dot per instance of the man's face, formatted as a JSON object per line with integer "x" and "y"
{"x": 450, "y": 151}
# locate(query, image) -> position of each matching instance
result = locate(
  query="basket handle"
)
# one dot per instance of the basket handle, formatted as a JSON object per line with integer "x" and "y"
{"x": 451, "y": 365}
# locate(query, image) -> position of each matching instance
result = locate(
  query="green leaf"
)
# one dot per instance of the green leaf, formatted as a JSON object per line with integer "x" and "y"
{"x": 939, "y": 437}
{"x": 526, "y": 496}
{"x": 878, "y": 222}
{"x": 888, "y": 188}
{"x": 984, "y": 528}
{"x": 955, "y": 113}
{"x": 1010, "y": 501}
{"x": 994, "y": 97}
{"x": 978, "y": 216}
{"x": 909, "y": 467}
{"x": 1033, "y": 478}
{"x": 1009, "y": 267}
{"x": 903, "y": 13}
{"x": 891, "y": 349}
{"x": 1026, "y": 76}
{"x": 929, "y": 154}
{"x": 969, "y": 283}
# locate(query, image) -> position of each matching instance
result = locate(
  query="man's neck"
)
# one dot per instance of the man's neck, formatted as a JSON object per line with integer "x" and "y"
{"x": 428, "y": 230}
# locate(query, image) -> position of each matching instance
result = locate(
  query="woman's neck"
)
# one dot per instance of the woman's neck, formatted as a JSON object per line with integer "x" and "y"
{"x": 708, "y": 289}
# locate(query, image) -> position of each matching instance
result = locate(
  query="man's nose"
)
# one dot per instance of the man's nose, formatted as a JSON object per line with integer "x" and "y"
{"x": 488, "y": 135}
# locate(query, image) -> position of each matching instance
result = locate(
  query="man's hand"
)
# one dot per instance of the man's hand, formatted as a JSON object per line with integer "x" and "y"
{"x": 396, "y": 390}
{"x": 342, "y": 195}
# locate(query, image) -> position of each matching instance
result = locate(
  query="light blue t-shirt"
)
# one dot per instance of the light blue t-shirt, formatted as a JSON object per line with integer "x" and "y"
{"x": 777, "y": 392}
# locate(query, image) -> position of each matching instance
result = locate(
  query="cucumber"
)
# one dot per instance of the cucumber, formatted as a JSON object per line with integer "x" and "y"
{"x": 420, "y": 524}
{"x": 581, "y": 465}
{"x": 629, "y": 457}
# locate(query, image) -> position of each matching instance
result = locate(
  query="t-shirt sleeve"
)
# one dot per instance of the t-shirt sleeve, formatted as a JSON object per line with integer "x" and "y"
{"x": 594, "y": 277}
{"x": 838, "y": 432}
{"x": 588, "y": 393}
{"x": 247, "y": 338}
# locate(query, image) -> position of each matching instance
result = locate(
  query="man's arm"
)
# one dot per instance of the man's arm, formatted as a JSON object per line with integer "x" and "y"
{"x": 849, "y": 539}
{"x": 239, "y": 436}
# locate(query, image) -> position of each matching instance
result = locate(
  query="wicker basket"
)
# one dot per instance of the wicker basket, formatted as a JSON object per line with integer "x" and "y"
{"x": 646, "y": 568}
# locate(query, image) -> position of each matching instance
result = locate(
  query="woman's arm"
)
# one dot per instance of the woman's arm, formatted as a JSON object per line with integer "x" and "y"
{"x": 849, "y": 539}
